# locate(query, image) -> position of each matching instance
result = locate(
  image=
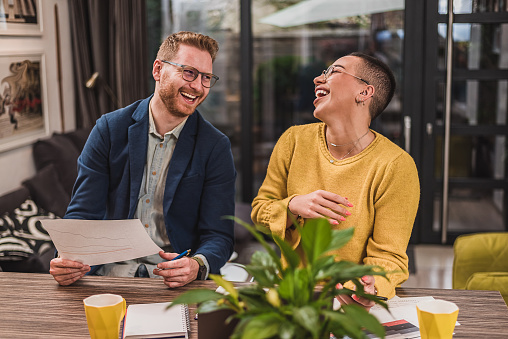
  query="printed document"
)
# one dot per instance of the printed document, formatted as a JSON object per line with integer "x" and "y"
{"x": 96, "y": 242}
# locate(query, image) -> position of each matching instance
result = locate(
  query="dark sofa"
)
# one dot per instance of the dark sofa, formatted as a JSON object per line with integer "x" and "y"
{"x": 24, "y": 244}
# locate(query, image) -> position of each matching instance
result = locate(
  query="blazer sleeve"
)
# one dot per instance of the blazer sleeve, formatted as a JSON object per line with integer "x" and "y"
{"x": 90, "y": 192}
{"x": 216, "y": 234}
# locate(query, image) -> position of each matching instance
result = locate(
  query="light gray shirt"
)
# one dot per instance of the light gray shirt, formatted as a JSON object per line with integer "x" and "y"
{"x": 150, "y": 201}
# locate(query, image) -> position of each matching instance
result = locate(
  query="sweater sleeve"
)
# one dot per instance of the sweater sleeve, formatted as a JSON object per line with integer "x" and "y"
{"x": 270, "y": 207}
{"x": 396, "y": 205}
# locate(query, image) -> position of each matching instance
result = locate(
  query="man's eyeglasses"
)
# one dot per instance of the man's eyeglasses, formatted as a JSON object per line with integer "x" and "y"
{"x": 189, "y": 74}
{"x": 330, "y": 69}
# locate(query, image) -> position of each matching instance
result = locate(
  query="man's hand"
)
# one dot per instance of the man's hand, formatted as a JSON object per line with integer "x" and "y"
{"x": 319, "y": 204}
{"x": 179, "y": 272}
{"x": 67, "y": 271}
{"x": 369, "y": 288}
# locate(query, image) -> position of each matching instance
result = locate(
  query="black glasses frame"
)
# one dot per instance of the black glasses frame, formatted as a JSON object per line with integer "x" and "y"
{"x": 192, "y": 73}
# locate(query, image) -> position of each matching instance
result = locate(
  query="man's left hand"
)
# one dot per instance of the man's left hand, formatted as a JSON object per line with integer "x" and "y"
{"x": 177, "y": 273}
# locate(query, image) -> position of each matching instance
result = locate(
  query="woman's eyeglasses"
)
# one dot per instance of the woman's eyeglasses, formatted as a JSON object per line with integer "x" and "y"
{"x": 330, "y": 69}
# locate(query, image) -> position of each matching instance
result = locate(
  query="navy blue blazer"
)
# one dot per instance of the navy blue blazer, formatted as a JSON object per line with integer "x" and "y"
{"x": 200, "y": 186}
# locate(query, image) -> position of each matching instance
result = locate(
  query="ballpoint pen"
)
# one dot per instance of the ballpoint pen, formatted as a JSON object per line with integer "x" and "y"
{"x": 183, "y": 254}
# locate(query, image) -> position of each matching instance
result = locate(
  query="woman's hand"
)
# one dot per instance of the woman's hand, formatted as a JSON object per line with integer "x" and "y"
{"x": 319, "y": 204}
{"x": 369, "y": 288}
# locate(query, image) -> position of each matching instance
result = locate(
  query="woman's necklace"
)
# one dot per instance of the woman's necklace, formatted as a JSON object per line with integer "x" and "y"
{"x": 355, "y": 142}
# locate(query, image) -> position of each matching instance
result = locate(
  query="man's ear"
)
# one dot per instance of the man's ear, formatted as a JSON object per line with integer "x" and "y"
{"x": 156, "y": 70}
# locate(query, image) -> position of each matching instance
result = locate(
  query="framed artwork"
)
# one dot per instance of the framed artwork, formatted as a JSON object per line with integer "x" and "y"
{"x": 23, "y": 104}
{"x": 20, "y": 17}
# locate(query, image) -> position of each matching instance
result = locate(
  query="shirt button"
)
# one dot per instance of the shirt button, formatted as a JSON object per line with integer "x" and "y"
{"x": 147, "y": 201}
{"x": 331, "y": 161}
{"x": 146, "y": 225}
{"x": 154, "y": 172}
{"x": 161, "y": 145}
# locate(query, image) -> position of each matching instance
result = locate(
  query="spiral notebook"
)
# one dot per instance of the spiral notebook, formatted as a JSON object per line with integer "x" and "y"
{"x": 155, "y": 320}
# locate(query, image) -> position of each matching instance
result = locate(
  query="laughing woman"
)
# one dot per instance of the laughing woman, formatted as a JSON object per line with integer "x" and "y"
{"x": 342, "y": 170}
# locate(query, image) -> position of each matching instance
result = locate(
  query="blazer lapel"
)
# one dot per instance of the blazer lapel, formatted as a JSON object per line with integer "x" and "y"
{"x": 182, "y": 154}
{"x": 138, "y": 142}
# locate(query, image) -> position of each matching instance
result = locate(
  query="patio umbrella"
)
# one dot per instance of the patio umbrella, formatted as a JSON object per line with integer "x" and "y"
{"x": 310, "y": 11}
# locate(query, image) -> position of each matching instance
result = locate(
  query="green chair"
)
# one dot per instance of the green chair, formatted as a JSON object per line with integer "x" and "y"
{"x": 481, "y": 262}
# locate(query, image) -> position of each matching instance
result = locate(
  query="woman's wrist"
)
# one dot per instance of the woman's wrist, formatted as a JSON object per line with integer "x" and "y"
{"x": 289, "y": 208}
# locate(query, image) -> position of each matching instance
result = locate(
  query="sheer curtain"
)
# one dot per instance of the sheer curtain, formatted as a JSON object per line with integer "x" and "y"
{"x": 108, "y": 37}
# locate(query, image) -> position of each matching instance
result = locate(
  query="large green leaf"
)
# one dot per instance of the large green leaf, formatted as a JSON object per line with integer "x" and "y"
{"x": 211, "y": 305}
{"x": 341, "y": 325}
{"x": 304, "y": 289}
{"x": 227, "y": 285}
{"x": 264, "y": 259}
{"x": 363, "y": 318}
{"x": 316, "y": 236}
{"x": 308, "y": 318}
{"x": 196, "y": 296}
{"x": 262, "y": 326}
{"x": 292, "y": 257}
{"x": 340, "y": 238}
{"x": 262, "y": 276}
{"x": 259, "y": 238}
{"x": 287, "y": 286}
{"x": 263, "y": 269}
{"x": 287, "y": 330}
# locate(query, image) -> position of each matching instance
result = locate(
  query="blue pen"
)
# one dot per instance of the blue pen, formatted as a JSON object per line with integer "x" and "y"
{"x": 183, "y": 254}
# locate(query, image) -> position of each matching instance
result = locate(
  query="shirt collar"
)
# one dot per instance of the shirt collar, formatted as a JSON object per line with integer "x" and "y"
{"x": 152, "y": 130}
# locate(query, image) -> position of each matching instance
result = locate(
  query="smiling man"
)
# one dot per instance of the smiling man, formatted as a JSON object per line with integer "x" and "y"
{"x": 160, "y": 161}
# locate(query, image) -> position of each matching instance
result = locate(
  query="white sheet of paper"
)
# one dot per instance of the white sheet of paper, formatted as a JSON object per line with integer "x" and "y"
{"x": 96, "y": 242}
{"x": 400, "y": 308}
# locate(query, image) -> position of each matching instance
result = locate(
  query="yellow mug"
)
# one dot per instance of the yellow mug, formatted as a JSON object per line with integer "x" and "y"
{"x": 104, "y": 313}
{"x": 437, "y": 319}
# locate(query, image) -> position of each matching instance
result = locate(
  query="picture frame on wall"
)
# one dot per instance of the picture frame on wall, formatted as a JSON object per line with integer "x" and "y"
{"x": 23, "y": 99}
{"x": 20, "y": 17}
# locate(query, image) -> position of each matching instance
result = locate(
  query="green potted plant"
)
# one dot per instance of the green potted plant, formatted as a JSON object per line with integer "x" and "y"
{"x": 295, "y": 300}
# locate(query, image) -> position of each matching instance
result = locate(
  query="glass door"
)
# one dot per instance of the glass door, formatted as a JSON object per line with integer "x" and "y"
{"x": 294, "y": 41}
{"x": 464, "y": 169}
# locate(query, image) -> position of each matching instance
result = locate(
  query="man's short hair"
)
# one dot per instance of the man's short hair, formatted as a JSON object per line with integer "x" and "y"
{"x": 379, "y": 75}
{"x": 169, "y": 47}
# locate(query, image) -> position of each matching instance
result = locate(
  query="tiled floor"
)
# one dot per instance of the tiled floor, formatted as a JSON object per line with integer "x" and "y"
{"x": 434, "y": 265}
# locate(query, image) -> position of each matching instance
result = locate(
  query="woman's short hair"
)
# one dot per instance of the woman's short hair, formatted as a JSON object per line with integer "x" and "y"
{"x": 169, "y": 47}
{"x": 379, "y": 75}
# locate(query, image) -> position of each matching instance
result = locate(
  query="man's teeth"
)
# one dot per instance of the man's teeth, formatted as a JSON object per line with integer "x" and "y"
{"x": 192, "y": 97}
{"x": 321, "y": 93}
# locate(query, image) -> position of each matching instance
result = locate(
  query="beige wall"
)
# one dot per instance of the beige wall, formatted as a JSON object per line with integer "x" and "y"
{"x": 16, "y": 164}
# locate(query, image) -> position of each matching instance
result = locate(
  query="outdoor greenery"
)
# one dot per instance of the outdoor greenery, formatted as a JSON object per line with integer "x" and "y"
{"x": 295, "y": 300}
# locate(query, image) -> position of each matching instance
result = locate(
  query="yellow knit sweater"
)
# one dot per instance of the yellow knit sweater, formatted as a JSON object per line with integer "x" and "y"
{"x": 381, "y": 182}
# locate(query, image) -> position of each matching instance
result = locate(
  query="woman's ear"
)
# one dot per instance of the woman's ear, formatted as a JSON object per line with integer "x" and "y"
{"x": 367, "y": 92}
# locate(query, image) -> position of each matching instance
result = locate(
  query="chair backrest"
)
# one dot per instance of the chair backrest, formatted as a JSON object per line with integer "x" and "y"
{"x": 481, "y": 252}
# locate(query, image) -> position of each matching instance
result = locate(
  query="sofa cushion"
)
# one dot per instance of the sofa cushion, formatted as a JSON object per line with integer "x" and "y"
{"x": 47, "y": 191}
{"x": 60, "y": 151}
{"x": 490, "y": 281}
{"x": 79, "y": 137}
{"x": 22, "y": 234}
{"x": 10, "y": 201}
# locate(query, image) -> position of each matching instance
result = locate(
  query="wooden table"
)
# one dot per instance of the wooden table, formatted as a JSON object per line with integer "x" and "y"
{"x": 35, "y": 306}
